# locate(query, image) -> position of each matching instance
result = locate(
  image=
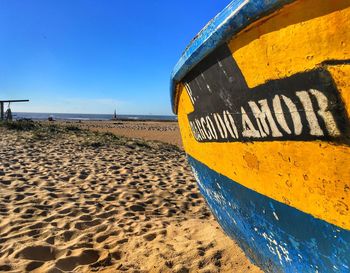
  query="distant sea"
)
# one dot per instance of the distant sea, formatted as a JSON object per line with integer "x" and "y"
{"x": 64, "y": 116}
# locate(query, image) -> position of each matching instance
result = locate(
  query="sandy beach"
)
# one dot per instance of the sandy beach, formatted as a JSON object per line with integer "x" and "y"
{"x": 82, "y": 201}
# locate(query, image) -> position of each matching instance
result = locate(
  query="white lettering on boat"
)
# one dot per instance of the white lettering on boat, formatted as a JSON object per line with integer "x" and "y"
{"x": 268, "y": 119}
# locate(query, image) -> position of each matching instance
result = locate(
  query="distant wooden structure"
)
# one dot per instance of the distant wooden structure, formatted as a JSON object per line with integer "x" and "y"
{"x": 115, "y": 115}
{"x": 2, "y": 113}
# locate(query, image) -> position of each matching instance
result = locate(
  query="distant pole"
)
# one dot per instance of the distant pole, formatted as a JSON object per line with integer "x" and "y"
{"x": 1, "y": 110}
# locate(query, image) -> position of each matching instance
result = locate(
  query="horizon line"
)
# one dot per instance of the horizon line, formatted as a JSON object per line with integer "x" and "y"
{"x": 93, "y": 113}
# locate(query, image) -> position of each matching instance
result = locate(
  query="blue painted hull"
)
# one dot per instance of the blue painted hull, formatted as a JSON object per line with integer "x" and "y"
{"x": 277, "y": 237}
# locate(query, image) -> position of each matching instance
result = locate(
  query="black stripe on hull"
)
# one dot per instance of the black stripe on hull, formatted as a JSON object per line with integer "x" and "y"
{"x": 304, "y": 106}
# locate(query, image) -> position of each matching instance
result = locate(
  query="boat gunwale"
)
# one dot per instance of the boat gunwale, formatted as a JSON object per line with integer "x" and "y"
{"x": 236, "y": 16}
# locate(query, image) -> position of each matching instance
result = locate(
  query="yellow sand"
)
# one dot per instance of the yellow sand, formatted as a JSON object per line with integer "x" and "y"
{"x": 70, "y": 202}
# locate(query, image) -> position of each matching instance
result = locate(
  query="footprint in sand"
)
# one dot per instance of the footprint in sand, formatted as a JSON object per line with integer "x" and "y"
{"x": 88, "y": 256}
{"x": 138, "y": 207}
{"x": 33, "y": 265}
{"x": 5, "y": 267}
{"x": 38, "y": 253}
{"x": 68, "y": 235}
{"x": 150, "y": 236}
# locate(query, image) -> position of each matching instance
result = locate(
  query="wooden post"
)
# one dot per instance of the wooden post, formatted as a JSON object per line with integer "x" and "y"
{"x": 1, "y": 110}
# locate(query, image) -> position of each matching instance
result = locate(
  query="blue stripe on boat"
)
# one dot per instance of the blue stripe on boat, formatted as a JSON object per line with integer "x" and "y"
{"x": 236, "y": 16}
{"x": 276, "y": 237}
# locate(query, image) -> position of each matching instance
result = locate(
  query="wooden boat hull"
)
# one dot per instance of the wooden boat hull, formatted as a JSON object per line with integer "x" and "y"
{"x": 264, "y": 118}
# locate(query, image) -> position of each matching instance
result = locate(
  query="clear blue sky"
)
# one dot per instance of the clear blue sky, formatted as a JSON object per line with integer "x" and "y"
{"x": 90, "y": 56}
